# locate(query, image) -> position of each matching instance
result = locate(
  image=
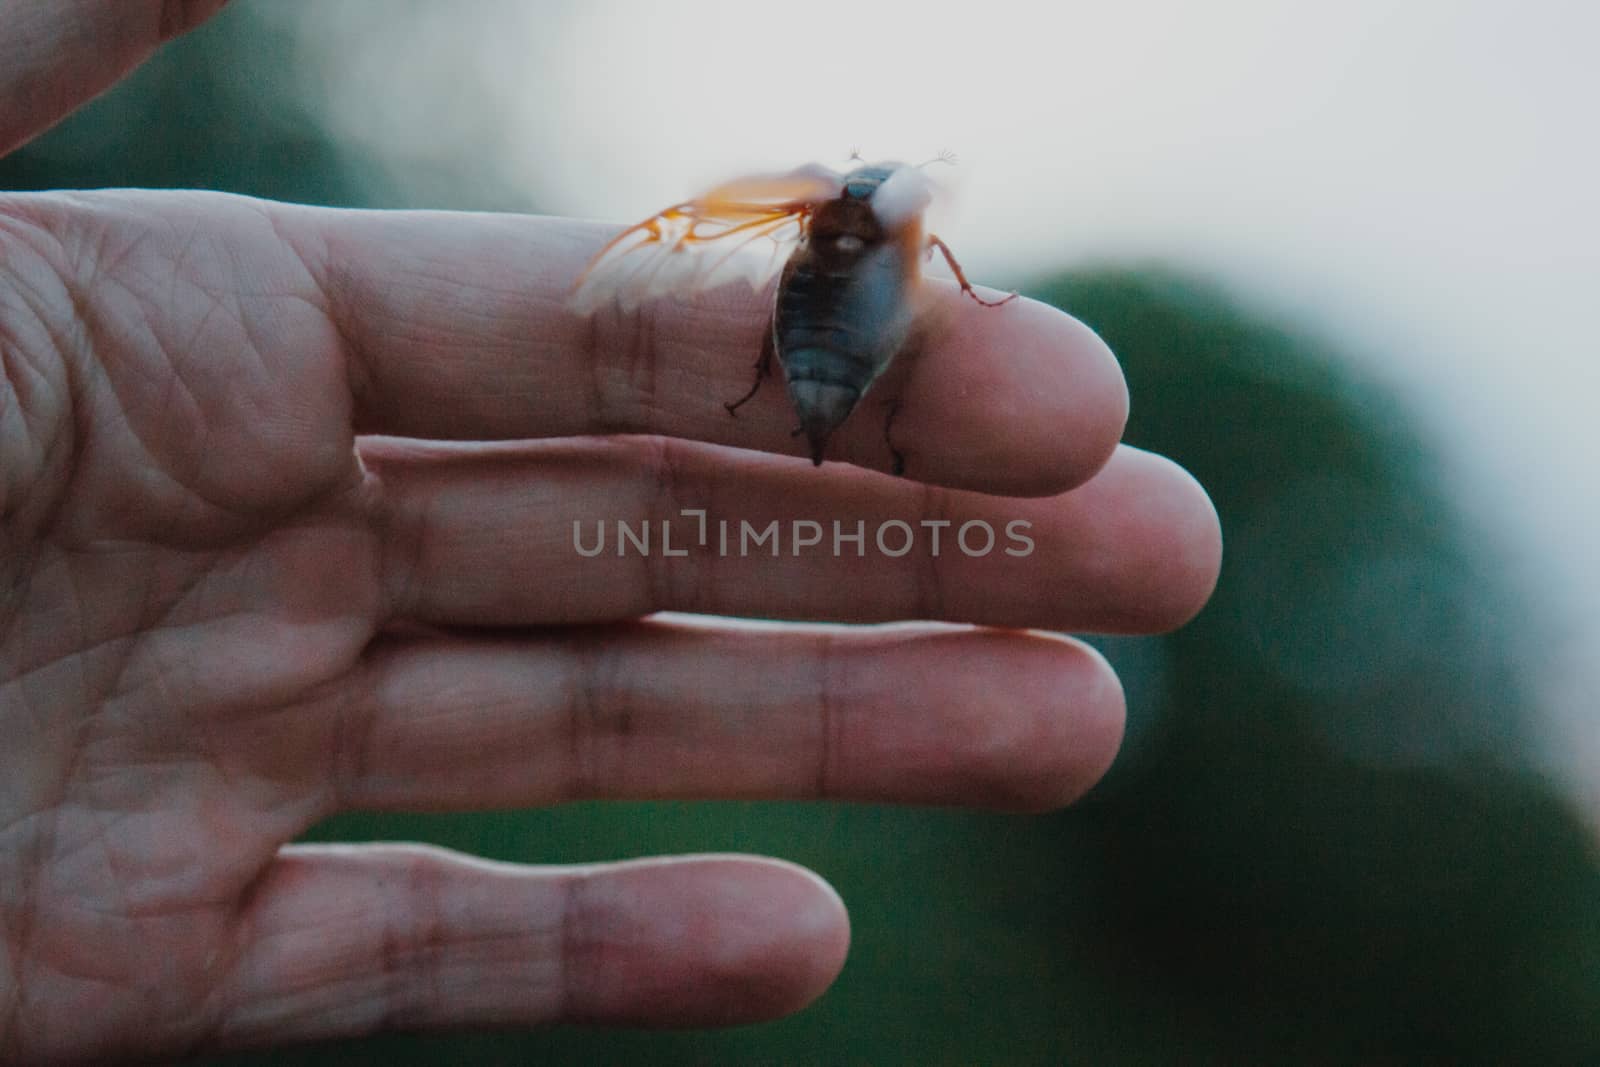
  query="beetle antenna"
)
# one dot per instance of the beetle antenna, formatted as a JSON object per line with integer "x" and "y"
{"x": 945, "y": 156}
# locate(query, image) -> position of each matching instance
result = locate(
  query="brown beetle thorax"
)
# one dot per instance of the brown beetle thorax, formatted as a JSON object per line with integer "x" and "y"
{"x": 841, "y": 230}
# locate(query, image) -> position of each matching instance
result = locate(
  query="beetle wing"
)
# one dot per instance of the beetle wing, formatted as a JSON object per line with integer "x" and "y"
{"x": 740, "y": 229}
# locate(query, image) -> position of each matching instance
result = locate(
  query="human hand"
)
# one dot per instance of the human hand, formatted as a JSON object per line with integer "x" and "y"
{"x": 231, "y": 609}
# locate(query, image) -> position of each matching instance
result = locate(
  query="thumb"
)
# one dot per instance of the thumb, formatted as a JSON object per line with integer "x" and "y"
{"x": 56, "y": 55}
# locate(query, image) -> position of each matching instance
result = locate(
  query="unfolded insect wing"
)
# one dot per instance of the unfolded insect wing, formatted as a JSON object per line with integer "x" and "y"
{"x": 741, "y": 229}
{"x": 810, "y": 184}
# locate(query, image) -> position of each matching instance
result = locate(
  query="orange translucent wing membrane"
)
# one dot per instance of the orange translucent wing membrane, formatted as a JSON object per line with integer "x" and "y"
{"x": 806, "y": 185}
{"x": 740, "y": 229}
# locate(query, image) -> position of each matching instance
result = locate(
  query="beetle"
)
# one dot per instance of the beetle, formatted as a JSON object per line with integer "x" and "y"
{"x": 845, "y": 301}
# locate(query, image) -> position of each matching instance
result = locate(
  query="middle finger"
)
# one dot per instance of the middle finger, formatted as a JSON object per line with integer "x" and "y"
{"x": 511, "y": 535}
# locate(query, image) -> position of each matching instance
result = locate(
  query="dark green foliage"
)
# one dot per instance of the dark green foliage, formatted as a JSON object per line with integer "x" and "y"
{"x": 1329, "y": 847}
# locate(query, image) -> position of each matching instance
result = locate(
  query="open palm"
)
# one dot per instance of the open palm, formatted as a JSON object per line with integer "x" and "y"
{"x": 230, "y": 608}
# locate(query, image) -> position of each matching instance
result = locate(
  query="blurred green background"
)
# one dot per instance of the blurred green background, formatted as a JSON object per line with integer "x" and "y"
{"x": 1324, "y": 841}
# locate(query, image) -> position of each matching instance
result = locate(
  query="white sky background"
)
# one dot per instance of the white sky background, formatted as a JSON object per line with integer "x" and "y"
{"x": 1418, "y": 179}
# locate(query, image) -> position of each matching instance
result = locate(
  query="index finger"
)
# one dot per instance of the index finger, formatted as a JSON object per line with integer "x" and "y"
{"x": 456, "y": 326}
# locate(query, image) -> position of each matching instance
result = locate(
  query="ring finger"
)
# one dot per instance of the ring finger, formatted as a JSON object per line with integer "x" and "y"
{"x": 679, "y": 708}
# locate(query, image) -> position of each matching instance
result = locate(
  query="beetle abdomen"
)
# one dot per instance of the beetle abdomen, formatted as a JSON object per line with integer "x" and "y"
{"x": 836, "y": 327}
{"x": 824, "y": 386}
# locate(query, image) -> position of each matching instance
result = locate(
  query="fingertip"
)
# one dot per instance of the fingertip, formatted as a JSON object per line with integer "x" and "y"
{"x": 1101, "y": 719}
{"x": 1080, "y": 404}
{"x": 728, "y": 940}
{"x": 1171, "y": 539}
{"x": 809, "y": 959}
{"x": 1197, "y": 530}
{"x": 1031, "y": 401}
{"x": 1066, "y": 709}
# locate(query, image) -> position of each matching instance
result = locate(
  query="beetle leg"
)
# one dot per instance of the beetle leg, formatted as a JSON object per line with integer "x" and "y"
{"x": 899, "y": 459}
{"x": 966, "y": 286}
{"x": 763, "y": 370}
